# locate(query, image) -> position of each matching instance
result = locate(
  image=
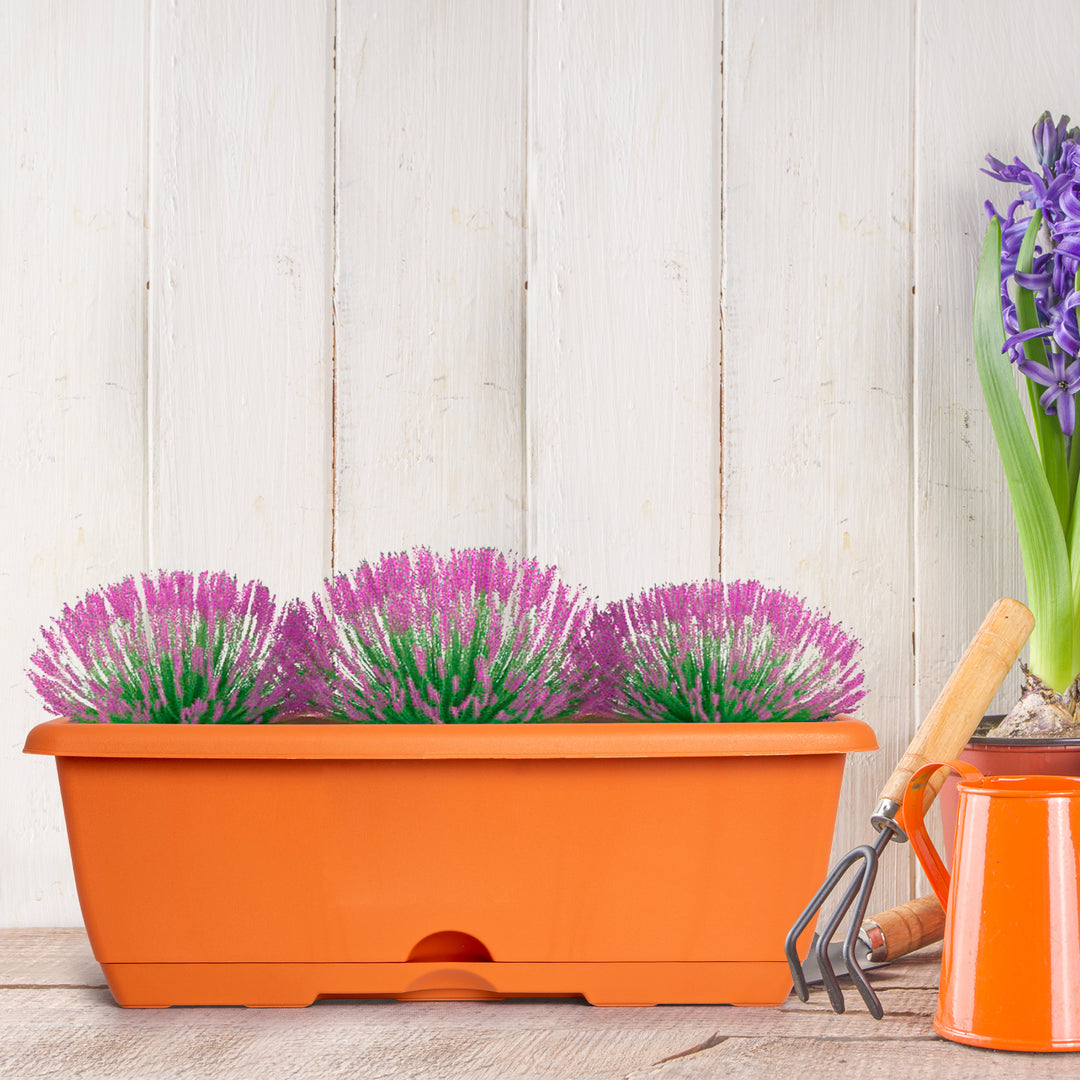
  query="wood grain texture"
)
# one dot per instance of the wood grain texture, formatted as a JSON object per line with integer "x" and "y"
{"x": 817, "y": 368}
{"x": 957, "y": 710}
{"x": 52, "y": 957}
{"x": 907, "y": 927}
{"x": 965, "y": 545}
{"x": 240, "y": 280}
{"x": 53, "y": 1024}
{"x": 966, "y": 548}
{"x": 430, "y": 288}
{"x": 442, "y": 157}
{"x": 623, "y": 394}
{"x": 72, "y": 373}
{"x": 868, "y": 1059}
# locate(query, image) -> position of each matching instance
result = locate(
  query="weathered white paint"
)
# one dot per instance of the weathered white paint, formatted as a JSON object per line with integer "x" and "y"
{"x": 338, "y": 208}
{"x": 241, "y": 240}
{"x": 816, "y": 345}
{"x": 965, "y": 549}
{"x": 622, "y": 402}
{"x": 72, "y": 373}
{"x": 429, "y": 294}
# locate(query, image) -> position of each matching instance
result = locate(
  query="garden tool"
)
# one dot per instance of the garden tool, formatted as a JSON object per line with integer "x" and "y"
{"x": 885, "y": 937}
{"x": 943, "y": 734}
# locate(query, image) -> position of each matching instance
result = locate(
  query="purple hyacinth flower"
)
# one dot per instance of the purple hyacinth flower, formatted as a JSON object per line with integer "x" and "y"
{"x": 1062, "y": 380}
{"x": 1052, "y": 189}
{"x": 1048, "y": 138}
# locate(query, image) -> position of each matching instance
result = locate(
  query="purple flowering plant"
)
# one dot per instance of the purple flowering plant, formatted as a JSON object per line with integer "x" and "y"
{"x": 475, "y": 637}
{"x": 730, "y": 653}
{"x": 1027, "y": 297}
{"x": 167, "y": 649}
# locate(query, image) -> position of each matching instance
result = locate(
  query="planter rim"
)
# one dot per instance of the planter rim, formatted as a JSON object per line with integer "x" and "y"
{"x": 977, "y": 742}
{"x": 66, "y": 738}
{"x": 1014, "y": 742}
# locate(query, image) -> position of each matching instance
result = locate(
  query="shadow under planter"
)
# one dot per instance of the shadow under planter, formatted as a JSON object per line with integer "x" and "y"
{"x": 273, "y": 865}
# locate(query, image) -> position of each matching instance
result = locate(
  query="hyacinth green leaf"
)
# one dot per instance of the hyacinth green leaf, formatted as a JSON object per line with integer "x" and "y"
{"x": 1073, "y": 543}
{"x": 1042, "y": 539}
{"x": 1047, "y": 429}
{"x": 1074, "y": 455}
{"x": 1074, "y": 472}
{"x": 1074, "y": 528}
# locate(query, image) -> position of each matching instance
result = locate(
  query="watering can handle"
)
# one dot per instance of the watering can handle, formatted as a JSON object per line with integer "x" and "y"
{"x": 914, "y": 808}
{"x": 964, "y": 699}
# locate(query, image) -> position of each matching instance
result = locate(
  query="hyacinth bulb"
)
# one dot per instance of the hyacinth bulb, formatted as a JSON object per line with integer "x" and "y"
{"x": 476, "y": 637}
{"x": 167, "y": 649}
{"x": 735, "y": 653}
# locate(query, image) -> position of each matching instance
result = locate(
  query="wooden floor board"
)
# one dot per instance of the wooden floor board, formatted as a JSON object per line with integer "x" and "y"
{"x": 57, "y": 1020}
{"x": 55, "y": 957}
{"x": 866, "y": 1058}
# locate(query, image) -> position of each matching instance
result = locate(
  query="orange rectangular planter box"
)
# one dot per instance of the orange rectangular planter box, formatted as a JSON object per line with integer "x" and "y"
{"x": 630, "y": 864}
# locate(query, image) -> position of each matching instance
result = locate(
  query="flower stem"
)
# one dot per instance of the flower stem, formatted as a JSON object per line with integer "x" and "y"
{"x": 1048, "y": 432}
{"x": 1050, "y": 577}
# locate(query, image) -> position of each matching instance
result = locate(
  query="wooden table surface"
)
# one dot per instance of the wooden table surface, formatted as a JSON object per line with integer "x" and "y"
{"x": 57, "y": 1019}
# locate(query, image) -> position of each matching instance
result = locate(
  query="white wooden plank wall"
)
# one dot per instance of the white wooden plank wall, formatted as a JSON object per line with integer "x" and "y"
{"x": 289, "y": 284}
{"x": 73, "y": 174}
{"x": 623, "y": 387}
{"x": 816, "y": 341}
{"x": 430, "y": 291}
{"x": 240, "y": 269}
{"x": 966, "y": 552}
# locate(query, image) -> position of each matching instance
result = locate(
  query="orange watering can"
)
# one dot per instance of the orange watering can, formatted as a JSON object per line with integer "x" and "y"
{"x": 1010, "y": 972}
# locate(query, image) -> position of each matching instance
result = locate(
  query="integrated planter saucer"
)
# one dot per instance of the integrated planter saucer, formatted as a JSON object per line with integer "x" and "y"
{"x": 274, "y": 865}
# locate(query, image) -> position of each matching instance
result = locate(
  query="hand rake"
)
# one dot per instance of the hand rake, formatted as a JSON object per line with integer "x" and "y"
{"x": 943, "y": 734}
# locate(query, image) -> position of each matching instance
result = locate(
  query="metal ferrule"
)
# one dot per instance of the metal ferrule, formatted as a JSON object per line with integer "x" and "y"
{"x": 873, "y": 937}
{"x": 884, "y": 817}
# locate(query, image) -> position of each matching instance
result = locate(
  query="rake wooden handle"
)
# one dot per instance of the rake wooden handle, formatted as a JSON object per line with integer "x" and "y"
{"x": 965, "y": 697}
{"x": 904, "y": 929}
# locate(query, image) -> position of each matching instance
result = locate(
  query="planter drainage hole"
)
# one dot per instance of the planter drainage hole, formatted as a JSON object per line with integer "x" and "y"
{"x": 449, "y": 946}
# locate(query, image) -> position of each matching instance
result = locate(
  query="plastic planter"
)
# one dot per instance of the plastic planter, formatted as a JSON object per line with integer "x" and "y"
{"x": 274, "y": 865}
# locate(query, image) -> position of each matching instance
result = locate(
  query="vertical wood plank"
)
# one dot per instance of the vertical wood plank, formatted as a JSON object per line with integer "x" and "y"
{"x": 817, "y": 355}
{"x": 240, "y": 316}
{"x": 72, "y": 371}
{"x": 429, "y": 290}
{"x": 968, "y": 554}
{"x": 965, "y": 541}
{"x": 623, "y": 387}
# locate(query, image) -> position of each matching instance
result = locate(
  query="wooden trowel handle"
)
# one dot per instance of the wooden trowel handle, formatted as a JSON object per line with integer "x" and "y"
{"x": 965, "y": 698}
{"x": 904, "y": 929}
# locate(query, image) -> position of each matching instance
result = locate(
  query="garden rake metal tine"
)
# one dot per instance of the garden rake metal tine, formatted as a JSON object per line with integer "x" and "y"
{"x": 809, "y": 912}
{"x": 851, "y": 962}
{"x": 856, "y": 898}
{"x": 857, "y": 894}
{"x": 942, "y": 735}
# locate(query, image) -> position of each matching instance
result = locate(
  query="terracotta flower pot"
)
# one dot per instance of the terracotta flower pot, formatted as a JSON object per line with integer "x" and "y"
{"x": 1006, "y": 757}
{"x": 273, "y": 865}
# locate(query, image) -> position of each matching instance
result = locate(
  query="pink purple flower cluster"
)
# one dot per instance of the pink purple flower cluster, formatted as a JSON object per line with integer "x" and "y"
{"x": 733, "y": 653}
{"x": 168, "y": 649}
{"x": 416, "y": 638}
{"x": 477, "y": 637}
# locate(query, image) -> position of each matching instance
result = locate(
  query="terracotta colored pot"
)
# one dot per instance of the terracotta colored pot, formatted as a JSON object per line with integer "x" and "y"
{"x": 273, "y": 865}
{"x": 1006, "y": 757}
